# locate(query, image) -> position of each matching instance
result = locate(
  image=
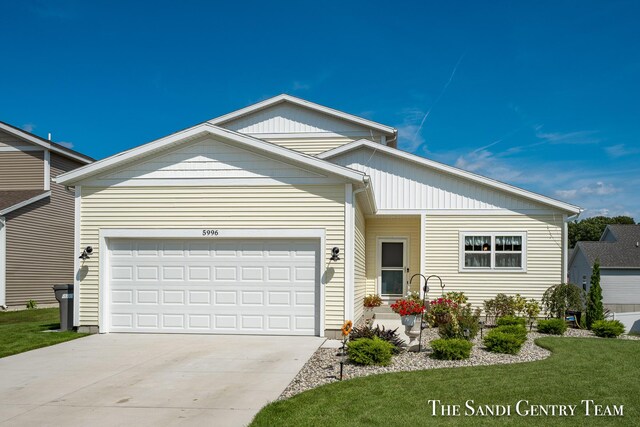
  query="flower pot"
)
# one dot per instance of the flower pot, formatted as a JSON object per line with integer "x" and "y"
{"x": 413, "y": 332}
{"x": 409, "y": 320}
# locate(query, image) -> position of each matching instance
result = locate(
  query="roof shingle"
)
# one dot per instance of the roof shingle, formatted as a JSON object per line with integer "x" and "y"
{"x": 623, "y": 253}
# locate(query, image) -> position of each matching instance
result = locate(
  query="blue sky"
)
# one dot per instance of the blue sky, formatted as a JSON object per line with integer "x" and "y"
{"x": 542, "y": 95}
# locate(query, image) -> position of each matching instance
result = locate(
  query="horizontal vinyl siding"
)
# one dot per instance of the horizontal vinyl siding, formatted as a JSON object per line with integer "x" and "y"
{"x": 544, "y": 255}
{"x": 311, "y": 146}
{"x": 399, "y": 226}
{"x": 620, "y": 286}
{"x": 40, "y": 243}
{"x": 214, "y": 207}
{"x": 360, "y": 276}
{"x": 21, "y": 170}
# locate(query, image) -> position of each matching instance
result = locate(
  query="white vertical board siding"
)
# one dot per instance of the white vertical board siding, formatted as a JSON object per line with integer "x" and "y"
{"x": 359, "y": 263}
{"x": 620, "y": 286}
{"x": 400, "y": 184}
{"x": 543, "y": 260}
{"x": 286, "y": 118}
{"x": 264, "y": 207}
{"x": 397, "y": 226}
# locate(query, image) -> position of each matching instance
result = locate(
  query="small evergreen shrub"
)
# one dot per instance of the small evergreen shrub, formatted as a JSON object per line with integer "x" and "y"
{"x": 511, "y": 320}
{"x": 595, "y": 310}
{"x": 370, "y": 351}
{"x": 389, "y": 335}
{"x": 502, "y": 342}
{"x": 515, "y": 330}
{"x": 552, "y": 326}
{"x": 607, "y": 328}
{"x": 451, "y": 349}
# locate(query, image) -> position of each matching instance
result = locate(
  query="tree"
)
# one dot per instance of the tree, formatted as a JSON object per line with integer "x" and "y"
{"x": 595, "y": 311}
{"x": 590, "y": 229}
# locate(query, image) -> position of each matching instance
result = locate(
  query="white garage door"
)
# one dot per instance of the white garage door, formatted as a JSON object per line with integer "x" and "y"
{"x": 214, "y": 286}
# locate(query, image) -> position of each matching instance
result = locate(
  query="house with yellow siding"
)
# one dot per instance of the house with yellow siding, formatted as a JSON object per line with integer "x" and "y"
{"x": 280, "y": 218}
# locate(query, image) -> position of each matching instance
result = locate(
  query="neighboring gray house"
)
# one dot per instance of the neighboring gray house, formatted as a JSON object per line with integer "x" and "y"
{"x": 36, "y": 217}
{"x": 619, "y": 254}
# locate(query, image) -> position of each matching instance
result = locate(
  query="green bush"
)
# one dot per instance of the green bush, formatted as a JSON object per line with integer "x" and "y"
{"x": 502, "y": 342}
{"x": 389, "y": 335}
{"x": 370, "y": 351}
{"x": 511, "y": 320}
{"x": 515, "y": 330}
{"x": 607, "y": 328}
{"x": 466, "y": 319}
{"x": 552, "y": 326}
{"x": 451, "y": 349}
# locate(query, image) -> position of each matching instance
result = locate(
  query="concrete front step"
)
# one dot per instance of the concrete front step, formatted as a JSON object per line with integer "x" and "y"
{"x": 387, "y": 315}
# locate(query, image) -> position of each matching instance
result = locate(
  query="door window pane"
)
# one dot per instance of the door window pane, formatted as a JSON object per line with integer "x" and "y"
{"x": 392, "y": 255}
{"x": 392, "y": 282}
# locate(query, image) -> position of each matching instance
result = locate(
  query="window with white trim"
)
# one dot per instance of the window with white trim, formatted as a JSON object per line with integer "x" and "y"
{"x": 493, "y": 251}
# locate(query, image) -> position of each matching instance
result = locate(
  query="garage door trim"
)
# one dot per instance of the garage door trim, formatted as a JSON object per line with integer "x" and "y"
{"x": 197, "y": 233}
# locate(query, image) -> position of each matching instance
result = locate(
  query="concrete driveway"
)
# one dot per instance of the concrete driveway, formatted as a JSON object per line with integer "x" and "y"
{"x": 159, "y": 380}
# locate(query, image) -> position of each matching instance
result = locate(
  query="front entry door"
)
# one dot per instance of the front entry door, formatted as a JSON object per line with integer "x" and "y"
{"x": 392, "y": 268}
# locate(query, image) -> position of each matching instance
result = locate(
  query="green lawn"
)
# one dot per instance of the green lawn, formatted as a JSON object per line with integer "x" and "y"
{"x": 607, "y": 371}
{"x": 23, "y": 330}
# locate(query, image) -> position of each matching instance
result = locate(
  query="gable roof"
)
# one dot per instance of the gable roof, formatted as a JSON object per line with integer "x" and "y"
{"x": 189, "y": 134}
{"x": 623, "y": 253}
{"x": 49, "y": 145}
{"x": 441, "y": 167}
{"x": 284, "y": 98}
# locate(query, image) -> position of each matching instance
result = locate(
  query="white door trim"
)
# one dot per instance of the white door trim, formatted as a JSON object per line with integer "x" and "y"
{"x": 405, "y": 249}
{"x": 197, "y": 233}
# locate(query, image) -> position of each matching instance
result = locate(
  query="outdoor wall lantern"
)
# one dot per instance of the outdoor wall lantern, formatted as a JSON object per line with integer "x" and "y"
{"x": 86, "y": 253}
{"x": 334, "y": 254}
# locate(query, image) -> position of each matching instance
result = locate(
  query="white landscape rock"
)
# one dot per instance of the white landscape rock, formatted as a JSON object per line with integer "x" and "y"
{"x": 324, "y": 367}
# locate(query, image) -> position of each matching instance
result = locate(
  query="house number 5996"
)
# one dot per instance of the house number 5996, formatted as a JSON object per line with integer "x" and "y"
{"x": 209, "y": 232}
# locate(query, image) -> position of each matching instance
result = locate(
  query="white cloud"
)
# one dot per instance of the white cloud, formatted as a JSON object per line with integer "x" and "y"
{"x": 599, "y": 189}
{"x": 619, "y": 150}
{"x": 578, "y": 137}
{"x": 409, "y": 139}
{"x": 29, "y": 127}
{"x": 65, "y": 144}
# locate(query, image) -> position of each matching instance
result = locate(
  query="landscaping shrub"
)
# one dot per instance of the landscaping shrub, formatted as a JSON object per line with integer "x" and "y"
{"x": 595, "y": 310}
{"x": 516, "y": 330}
{"x": 451, "y": 349}
{"x": 552, "y": 326}
{"x": 465, "y": 318}
{"x": 370, "y": 351}
{"x": 500, "y": 306}
{"x": 497, "y": 341}
{"x": 558, "y": 299}
{"x": 389, "y": 335}
{"x": 607, "y": 328}
{"x": 511, "y": 320}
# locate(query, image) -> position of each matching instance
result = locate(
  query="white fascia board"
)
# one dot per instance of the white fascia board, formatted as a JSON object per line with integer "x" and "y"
{"x": 507, "y": 188}
{"x": 306, "y": 104}
{"x": 25, "y": 203}
{"x": 208, "y": 129}
{"x": 42, "y": 143}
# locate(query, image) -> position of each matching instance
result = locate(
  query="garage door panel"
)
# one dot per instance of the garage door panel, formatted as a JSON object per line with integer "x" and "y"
{"x": 223, "y": 286}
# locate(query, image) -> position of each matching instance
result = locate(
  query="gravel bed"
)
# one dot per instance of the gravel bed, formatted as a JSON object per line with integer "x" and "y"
{"x": 323, "y": 367}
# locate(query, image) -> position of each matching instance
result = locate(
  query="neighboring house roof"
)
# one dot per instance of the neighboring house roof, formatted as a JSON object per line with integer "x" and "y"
{"x": 453, "y": 171}
{"x": 284, "y": 98}
{"x": 50, "y": 145}
{"x": 622, "y": 254}
{"x": 10, "y": 200}
{"x": 203, "y": 129}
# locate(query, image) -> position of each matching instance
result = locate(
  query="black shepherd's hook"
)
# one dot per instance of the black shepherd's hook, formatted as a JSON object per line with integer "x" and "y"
{"x": 424, "y": 301}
